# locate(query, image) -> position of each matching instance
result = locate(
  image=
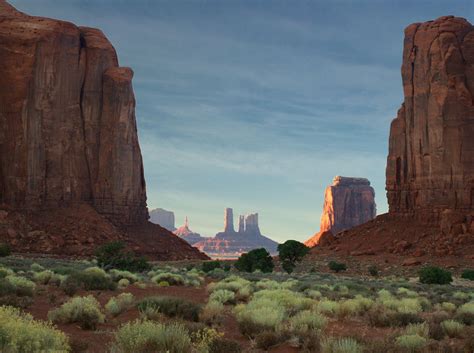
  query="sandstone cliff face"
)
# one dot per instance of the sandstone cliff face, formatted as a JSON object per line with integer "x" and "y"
{"x": 67, "y": 122}
{"x": 348, "y": 202}
{"x": 430, "y": 164}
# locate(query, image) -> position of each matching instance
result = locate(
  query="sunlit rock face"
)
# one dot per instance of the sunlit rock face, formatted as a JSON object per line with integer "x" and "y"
{"x": 430, "y": 166}
{"x": 348, "y": 202}
{"x": 67, "y": 120}
{"x": 184, "y": 232}
{"x": 230, "y": 243}
{"x": 164, "y": 218}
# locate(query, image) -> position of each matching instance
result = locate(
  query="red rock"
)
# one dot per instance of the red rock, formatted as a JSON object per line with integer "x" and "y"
{"x": 411, "y": 262}
{"x": 430, "y": 164}
{"x": 348, "y": 202}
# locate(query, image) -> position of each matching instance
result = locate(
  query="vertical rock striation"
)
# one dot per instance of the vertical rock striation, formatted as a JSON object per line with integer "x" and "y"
{"x": 430, "y": 166}
{"x": 67, "y": 120}
{"x": 348, "y": 202}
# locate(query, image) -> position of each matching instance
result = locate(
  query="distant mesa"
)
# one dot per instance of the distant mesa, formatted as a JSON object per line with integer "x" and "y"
{"x": 185, "y": 233}
{"x": 230, "y": 243}
{"x": 348, "y": 202}
{"x": 164, "y": 218}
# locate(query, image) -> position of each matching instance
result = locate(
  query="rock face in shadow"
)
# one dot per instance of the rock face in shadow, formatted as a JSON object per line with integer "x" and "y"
{"x": 430, "y": 166}
{"x": 67, "y": 120}
{"x": 348, "y": 202}
{"x": 230, "y": 243}
{"x": 71, "y": 171}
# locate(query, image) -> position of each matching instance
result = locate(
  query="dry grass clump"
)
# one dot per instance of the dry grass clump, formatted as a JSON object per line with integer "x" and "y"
{"x": 83, "y": 310}
{"x": 117, "y": 305}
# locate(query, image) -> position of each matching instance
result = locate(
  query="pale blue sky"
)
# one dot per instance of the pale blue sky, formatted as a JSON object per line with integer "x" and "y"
{"x": 256, "y": 105}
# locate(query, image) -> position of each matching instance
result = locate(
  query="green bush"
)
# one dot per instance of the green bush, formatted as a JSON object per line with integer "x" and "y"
{"x": 92, "y": 278}
{"x": 115, "y": 255}
{"x": 117, "y": 305}
{"x": 341, "y": 345}
{"x": 411, "y": 343}
{"x": 337, "y": 266}
{"x": 257, "y": 259}
{"x": 5, "y": 250}
{"x": 306, "y": 321}
{"x": 19, "y": 333}
{"x": 148, "y": 336}
{"x": 83, "y": 310}
{"x": 43, "y": 277}
{"x": 212, "y": 313}
{"x": 172, "y": 279}
{"x": 452, "y": 328}
{"x": 435, "y": 275}
{"x": 468, "y": 274}
{"x": 209, "y": 266}
{"x": 171, "y": 307}
{"x": 291, "y": 252}
{"x": 222, "y": 296}
{"x": 21, "y": 286}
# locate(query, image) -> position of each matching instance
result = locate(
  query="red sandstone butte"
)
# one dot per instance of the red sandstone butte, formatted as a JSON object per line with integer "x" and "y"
{"x": 68, "y": 133}
{"x": 348, "y": 202}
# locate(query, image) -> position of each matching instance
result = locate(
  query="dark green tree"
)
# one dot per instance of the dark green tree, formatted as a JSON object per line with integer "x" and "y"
{"x": 257, "y": 259}
{"x": 291, "y": 252}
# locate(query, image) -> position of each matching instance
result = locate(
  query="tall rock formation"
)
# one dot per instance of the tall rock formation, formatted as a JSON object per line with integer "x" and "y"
{"x": 348, "y": 202}
{"x": 184, "y": 232}
{"x": 229, "y": 220}
{"x": 430, "y": 166}
{"x": 164, "y": 218}
{"x": 67, "y": 117}
{"x": 71, "y": 171}
{"x": 231, "y": 244}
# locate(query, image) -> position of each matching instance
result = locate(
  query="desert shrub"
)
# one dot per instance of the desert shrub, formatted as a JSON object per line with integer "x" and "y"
{"x": 5, "y": 250}
{"x": 449, "y": 307}
{"x": 421, "y": 329}
{"x": 117, "y": 275}
{"x": 341, "y": 345}
{"x": 465, "y": 313}
{"x": 307, "y": 320}
{"x": 452, "y": 328}
{"x": 411, "y": 343}
{"x": 337, "y": 266}
{"x": 290, "y": 253}
{"x": 313, "y": 294}
{"x": 172, "y": 307}
{"x": 4, "y": 272}
{"x": 355, "y": 306}
{"x": 203, "y": 338}
{"x": 257, "y": 259}
{"x": 460, "y": 295}
{"x": 327, "y": 306}
{"x": 92, "y": 278}
{"x": 172, "y": 279}
{"x": 221, "y": 345}
{"x": 209, "y": 266}
{"x": 258, "y": 316}
{"x": 123, "y": 283}
{"x": 468, "y": 274}
{"x": 43, "y": 277}
{"x": 35, "y": 267}
{"x": 373, "y": 270}
{"x": 148, "y": 336}
{"x": 435, "y": 275}
{"x": 222, "y": 296}
{"x": 266, "y": 339}
{"x": 114, "y": 255}
{"x": 379, "y": 316}
{"x": 15, "y": 301}
{"x": 20, "y": 333}
{"x": 83, "y": 310}
{"x": 292, "y": 302}
{"x": 21, "y": 285}
{"x": 212, "y": 313}
{"x": 117, "y": 305}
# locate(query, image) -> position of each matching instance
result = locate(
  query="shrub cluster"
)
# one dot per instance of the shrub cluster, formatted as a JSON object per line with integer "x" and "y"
{"x": 83, "y": 310}
{"x": 115, "y": 255}
{"x": 435, "y": 275}
{"x": 20, "y": 333}
{"x": 117, "y": 305}
{"x": 337, "y": 266}
{"x": 171, "y": 307}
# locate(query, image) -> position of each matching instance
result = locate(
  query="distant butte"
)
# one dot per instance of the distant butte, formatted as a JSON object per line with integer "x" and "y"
{"x": 348, "y": 202}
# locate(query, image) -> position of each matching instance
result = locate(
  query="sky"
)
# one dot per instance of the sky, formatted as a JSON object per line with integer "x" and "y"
{"x": 258, "y": 104}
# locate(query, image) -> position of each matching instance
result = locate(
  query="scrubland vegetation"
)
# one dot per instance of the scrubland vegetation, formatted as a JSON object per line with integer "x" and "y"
{"x": 49, "y": 305}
